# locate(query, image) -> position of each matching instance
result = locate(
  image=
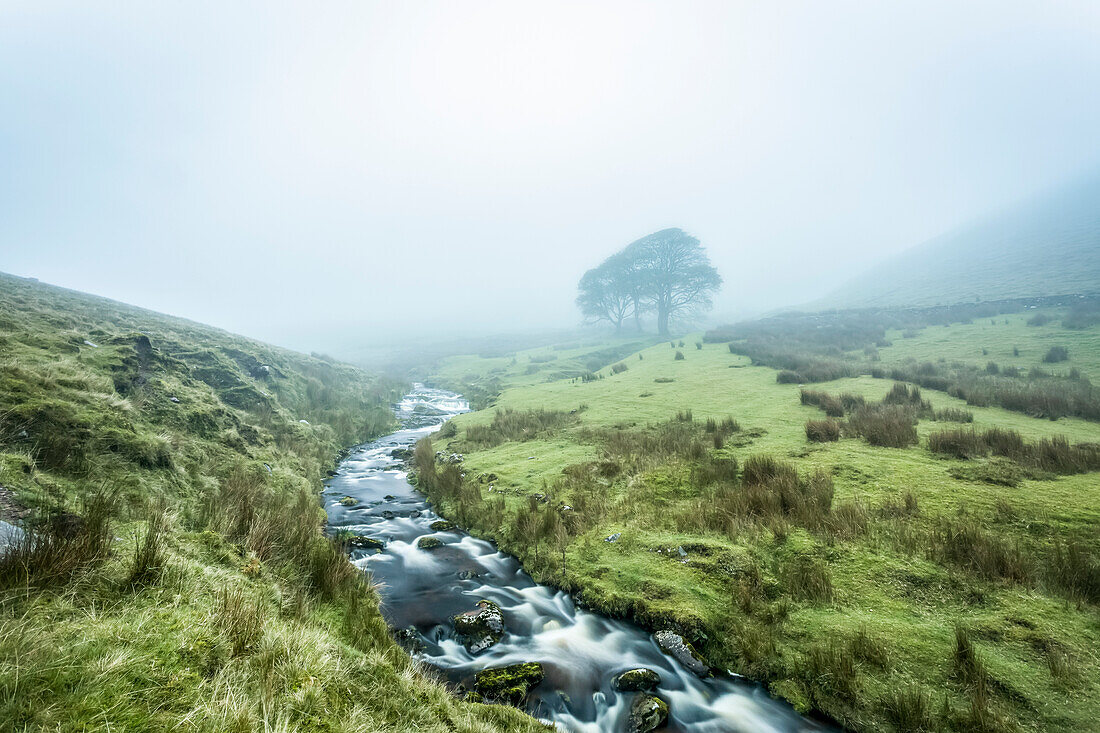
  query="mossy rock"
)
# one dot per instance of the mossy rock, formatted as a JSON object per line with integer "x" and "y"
{"x": 365, "y": 543}
{"x": 349, "y": 501}
{"x": 480, "y": 628}
{"x": 429, "y": 543}
{"x": 647, "y": 713}
{"x": 508, "y": 684}
{"x": 637, "y": 680}
{"x": 442, "y": 525}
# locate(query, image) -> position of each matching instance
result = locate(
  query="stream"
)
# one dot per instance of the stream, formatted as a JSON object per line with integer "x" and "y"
{"x": 581, "y": 651}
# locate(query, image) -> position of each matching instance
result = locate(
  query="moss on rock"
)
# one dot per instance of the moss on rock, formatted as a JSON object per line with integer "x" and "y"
{"x": 508, "y": 684}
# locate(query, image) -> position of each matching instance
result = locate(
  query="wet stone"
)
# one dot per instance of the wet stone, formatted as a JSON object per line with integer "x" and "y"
{"x": 429, "y": 543}
{"x": 682, "y": 651}
{"x": 480, "y": 628}
{"x": 637, "y": 680}
{"x": 508, "y": 684}
{"x": 647, "y": 713}
{"x": 442, "y": 525}
{"x": 349, "y": 501}
{"x": 365, "y": 543}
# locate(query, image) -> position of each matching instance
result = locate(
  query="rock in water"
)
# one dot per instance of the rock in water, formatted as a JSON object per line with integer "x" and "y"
{"x": 637, "y": 680}
{"x": 429, "y": 543}
{"x": 365, "y": 543}
{"x": 442, "y": 525}
{"x": 480, "y": 628}
{"x": 674, "y": 645}
{"x": 509, "y": 684}
{"x": 647, "y": 713}
{"x": 349, "y": 501}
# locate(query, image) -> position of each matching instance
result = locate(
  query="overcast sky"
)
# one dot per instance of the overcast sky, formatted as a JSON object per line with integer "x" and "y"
{"x": 299, "y": 171}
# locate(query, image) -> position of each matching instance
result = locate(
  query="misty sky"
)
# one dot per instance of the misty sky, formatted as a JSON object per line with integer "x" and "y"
{"x": 312, "y": 172}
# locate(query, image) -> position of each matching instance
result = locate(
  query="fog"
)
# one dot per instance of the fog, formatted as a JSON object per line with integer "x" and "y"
{"x": 328, "y": 175}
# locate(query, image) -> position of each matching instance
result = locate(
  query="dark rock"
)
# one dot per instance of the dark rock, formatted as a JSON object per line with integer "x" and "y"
{"x": 682, "y": 651}
{"x": 508, "y": 684}
{"x": 647, "y": 713}
{"x": 409, "y": 639}
{"x": 637, "y": 680}
{"x": 349, "y": 501}
{"x": 389, "y": 497}
{"x": 480, "y": 628}
{"x": 414, "y": 513}
{"x": 442, "y": 525}
{"x": 429, "y": 543}
{"x": 468, "y": 575}
{"x": 388, "y": 514}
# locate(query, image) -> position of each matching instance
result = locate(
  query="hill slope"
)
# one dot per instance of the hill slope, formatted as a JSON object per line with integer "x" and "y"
{"x": 174, "y": 574}
{"x": 1047, "y": 246}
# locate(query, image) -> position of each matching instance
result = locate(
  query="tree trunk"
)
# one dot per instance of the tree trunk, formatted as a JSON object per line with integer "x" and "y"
{"x": 662, "y": 320}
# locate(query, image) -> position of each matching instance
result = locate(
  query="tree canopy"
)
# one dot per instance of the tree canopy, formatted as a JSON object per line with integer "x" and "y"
{"x": 667, "y": 273}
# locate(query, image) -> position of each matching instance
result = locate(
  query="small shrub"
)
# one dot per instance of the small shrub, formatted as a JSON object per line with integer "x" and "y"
{"x": 241, "y": 619}
{"x": 866, "y": 648}
{"x": 732, "y": 348}
{"x": 822, "y": 431}
{"x": 618, "y": 368}
{"x": 699, "y": 345}
{"x": 1056, "y": 354}
{"x": 909, "y": 709}
{"x": 149, "y": 558}
{"x": 808, "y": 578}
{"x": 891, "y": 426}
{"x": 958, "y": 443}
{"x": 1039, "y": 319}
{"x": 788, "y": 377}
{"x": 679, "y": 355}
{"x": 953, "y": 414}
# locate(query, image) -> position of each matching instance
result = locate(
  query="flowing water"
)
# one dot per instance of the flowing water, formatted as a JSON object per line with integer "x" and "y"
{"x": 581, "y": 651}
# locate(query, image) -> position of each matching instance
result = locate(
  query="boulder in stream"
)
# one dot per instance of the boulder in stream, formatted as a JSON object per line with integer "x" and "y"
{"x": 480, "y": 628}
{"x": 637, "y": 680}
{"x": 647, "y": 713}
{"x": 362, "y": 542}
{"x": 442, "y": 525}
{"x": 349, "y": 501}
{"x": 682, "y": 651}
{"x": 509, "y": 684}
{"x": 429, "y": 543}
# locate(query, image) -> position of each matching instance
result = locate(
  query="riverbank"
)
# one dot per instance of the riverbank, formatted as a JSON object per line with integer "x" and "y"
{"x": 175, "y": 575}
{"x": 856, "y": 579}
{"x": 430, "y": 572}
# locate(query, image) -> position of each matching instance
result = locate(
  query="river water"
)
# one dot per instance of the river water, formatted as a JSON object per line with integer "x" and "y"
{"x": 581, "y": 651}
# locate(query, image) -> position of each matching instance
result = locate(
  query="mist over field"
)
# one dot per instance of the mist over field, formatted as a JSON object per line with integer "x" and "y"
{"x": 366, "y": 173}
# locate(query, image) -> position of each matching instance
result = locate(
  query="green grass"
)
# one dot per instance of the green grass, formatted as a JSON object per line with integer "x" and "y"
{"x": 759, "y": 593}
{"x": 196, "y": 591}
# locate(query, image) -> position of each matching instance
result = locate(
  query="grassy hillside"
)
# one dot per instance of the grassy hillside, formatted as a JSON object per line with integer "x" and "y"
{"x": 893, "y": 588}
{"x": 175, "y": 575}
{"x": 1047, "y": 246}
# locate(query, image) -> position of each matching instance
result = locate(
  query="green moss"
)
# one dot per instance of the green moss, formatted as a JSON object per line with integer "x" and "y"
{"x": 442, "y": 525}
{"x": 429, "y": 543}
{"x": 508, "y": 684}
